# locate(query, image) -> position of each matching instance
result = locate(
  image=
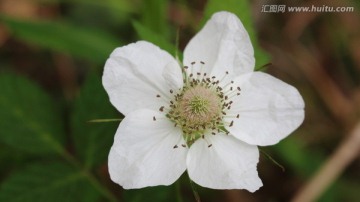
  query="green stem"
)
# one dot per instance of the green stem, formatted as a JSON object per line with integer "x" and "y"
{"x": 104, "y": 120}
{"x": 272, "y": 159}
{"x": 93, "y": 181}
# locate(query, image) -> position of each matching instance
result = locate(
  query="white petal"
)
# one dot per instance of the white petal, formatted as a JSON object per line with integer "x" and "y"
{"x": 223, "y": 44}
{"x": 133, "y": 77}
{"x": 228, "y": 164}
{"x": 173, "y": 76}
{"x": 143, "y": 155}
{"x": 269, "y": 109}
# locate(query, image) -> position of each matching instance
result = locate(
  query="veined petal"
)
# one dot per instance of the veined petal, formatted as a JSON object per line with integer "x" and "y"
{"x": 223, "y": 44}
{"x": 228, "y": 164}
{"x": 143, "y": 155}
{"x": 133, "y": 77}
{"x": 269, "y": 109}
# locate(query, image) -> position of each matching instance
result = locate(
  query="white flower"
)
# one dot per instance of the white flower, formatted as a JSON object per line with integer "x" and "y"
{"x": 206, "y": 116}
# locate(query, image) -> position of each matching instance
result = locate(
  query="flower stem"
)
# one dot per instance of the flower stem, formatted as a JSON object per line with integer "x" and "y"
{"x": 104, "y": 120}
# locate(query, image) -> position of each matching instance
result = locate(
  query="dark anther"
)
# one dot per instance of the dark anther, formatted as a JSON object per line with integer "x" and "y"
{"x": 239, "y": 89}
{"x": 183, "y": 145}
{"x": 231, "y": 123}
{"x": 186, "y": 67}
{"x": 157, "y": 95}
{"x": 162, "y": 108}
{"x": 171, "y": 91}
{"x": 202, "y": 62}
{"x": 175, "y": 147}
{"x": 209, "y": 145}
{"x": 237, "y": 116}
{"x": 193, "y": 63}
{"x": 154, "y": 118}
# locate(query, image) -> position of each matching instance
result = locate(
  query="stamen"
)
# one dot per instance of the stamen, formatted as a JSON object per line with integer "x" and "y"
{"x": 231, "y": 123}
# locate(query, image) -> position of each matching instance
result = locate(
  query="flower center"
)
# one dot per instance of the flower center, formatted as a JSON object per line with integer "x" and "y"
{"x": 200, "y": 106}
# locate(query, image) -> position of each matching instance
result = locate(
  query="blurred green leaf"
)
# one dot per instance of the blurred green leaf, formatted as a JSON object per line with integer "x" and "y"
{"x": 93, "y": 140}
{"x": 159, "y": 193}
{"x": 90, "y": 44}
{"x": 305, "y": 163}
{"x": 293, "y": 152}
{"x": 151, "y": 36}
{"x": 154, "y": 16}
{"x": 243, "y": 10}
{"x": 54, "y": 182}
{"x": 29, "y": 118}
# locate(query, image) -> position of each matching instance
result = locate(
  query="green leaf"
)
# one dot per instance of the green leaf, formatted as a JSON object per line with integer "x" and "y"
{"x": 151, "y": 36}
{"x": 55, "y": 182}
{"x": 159, "y": 193}
{"x": 154, "y": 17}
{"x": 90, "y": 44}
{"x": 243, "y": 10}
{"x": 93, "y": 140}
{"x": 305, "y": 163}
{"x": 29, "y": 119}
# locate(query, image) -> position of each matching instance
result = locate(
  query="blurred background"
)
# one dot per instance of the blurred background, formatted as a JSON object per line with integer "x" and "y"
{"x": 52, "y": 54}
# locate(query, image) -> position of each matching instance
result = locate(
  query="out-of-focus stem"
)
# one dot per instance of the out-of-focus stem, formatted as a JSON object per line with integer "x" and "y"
{"x": 342, "y": 157}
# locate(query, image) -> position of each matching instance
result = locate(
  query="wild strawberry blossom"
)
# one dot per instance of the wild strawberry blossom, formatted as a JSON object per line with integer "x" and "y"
{"x": 206, "y": 115}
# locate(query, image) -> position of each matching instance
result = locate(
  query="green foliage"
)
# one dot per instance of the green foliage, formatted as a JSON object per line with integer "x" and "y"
{"x": 93, "y": 140}
{"x": 147, "y": 34}
{"x": 304, "y": 163}
{"x": 154, "y": 17}
{"x": 243, "y": 10}
{"x": 55, "y": 182}
{"x": 29, "y": 119}
{"x": 159, "y": 193}
{"x": 90, "y": 44}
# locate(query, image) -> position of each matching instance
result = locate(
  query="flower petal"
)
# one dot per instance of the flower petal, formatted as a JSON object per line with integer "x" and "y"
{"x": 143, "y": 155}
{"x": 173, "y": 76}
{"x": 269, "y": 109}
{"x": 223, "y": 44}
{"x": 228, "y": 164}
{"x": 133, "y": 77}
